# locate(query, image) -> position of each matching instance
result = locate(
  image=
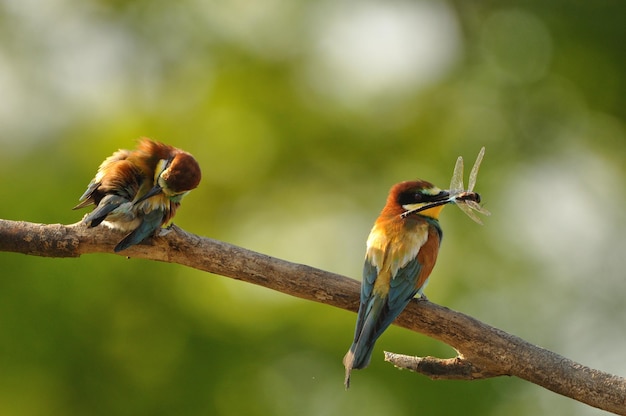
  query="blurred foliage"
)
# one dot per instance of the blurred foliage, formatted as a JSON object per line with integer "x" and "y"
{"x": 302, "y": 114}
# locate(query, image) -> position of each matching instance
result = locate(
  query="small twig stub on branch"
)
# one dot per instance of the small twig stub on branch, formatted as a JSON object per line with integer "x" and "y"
{"x": 455, "y": 368}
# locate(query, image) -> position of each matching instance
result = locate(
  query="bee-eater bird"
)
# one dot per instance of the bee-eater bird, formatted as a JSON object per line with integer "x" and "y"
{"x": 401, "y": 252}
{"x": 138, "y": 191}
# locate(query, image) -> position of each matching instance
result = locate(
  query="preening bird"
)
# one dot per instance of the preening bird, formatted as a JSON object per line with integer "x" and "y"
{"x": 401, "y": 252}
{"x": 138, "y": 191}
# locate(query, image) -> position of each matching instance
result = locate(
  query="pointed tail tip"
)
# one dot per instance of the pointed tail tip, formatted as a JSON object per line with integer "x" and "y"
{"x": 348, "y": 362}
{"x": 346, "y": 380}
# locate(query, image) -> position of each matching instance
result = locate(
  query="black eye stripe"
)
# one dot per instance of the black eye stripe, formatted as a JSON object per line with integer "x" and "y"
{"x": 416, "y": 197}
{"x": 405, "y": 198}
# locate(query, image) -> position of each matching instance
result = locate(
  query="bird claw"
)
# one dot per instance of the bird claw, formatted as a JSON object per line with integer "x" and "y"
{"x": 164, "y": 231}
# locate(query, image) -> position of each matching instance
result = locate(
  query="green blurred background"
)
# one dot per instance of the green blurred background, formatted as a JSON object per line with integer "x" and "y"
{"x": 302, "y": 114}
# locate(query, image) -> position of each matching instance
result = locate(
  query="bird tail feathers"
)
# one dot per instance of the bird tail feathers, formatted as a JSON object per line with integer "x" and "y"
{"x": 360, "y": 352}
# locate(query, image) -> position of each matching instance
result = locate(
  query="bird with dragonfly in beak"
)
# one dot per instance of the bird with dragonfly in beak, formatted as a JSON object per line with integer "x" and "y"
{"x": 401, "y": 252}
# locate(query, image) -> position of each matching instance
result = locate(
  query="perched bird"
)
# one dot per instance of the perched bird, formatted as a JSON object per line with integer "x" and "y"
{"x": 401, "y": 252}
{"x": 138, "y": 191}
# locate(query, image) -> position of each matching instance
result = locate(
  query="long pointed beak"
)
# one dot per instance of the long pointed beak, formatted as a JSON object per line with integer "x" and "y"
{"x": 442, "y": 198}
{"x": 152, "y": 192}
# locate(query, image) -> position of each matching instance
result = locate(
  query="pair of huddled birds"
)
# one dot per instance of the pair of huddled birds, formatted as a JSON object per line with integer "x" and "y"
{"x": 139, "y": 191}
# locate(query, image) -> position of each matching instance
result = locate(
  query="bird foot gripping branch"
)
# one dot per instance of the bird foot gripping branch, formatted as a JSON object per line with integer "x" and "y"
{"x": 401, "y": 252}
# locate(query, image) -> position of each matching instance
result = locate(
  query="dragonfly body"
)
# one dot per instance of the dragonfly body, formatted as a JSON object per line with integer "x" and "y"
{"x": 468, "y": 196}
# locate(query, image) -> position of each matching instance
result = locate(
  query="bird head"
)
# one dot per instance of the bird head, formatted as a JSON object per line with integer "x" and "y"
{"x": 417, "y": 197}
{"x": 174, "y": 177}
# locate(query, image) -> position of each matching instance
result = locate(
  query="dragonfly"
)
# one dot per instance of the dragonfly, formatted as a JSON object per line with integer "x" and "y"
{"x": 467, "y": 200}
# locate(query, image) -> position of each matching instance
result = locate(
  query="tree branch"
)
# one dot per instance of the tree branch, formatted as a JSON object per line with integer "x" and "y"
{"x": 483, "y": 351}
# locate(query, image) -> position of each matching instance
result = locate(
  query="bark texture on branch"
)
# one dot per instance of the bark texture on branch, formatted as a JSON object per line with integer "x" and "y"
{"x": 483, "y": 351}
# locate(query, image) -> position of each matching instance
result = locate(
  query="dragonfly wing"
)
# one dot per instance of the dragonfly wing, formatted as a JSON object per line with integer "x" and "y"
{"x": 464, "y": 206}
{"x": 476, "y": 207}
{"x": 474, "y": 172}
{"x": 456, "y": 184}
